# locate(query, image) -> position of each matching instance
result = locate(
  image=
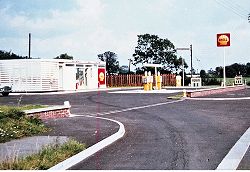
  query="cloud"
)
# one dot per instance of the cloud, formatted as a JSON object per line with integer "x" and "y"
{"x": 77, "y": 30}
{"x": 90, "y": 27}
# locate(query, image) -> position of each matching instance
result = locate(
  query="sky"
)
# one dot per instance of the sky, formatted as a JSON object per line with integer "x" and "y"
{"x": 86, "y": 28}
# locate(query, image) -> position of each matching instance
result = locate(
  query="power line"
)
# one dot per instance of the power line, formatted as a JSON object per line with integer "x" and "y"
{"x": 235, "y": 6}
{"x": 236, "y": 9}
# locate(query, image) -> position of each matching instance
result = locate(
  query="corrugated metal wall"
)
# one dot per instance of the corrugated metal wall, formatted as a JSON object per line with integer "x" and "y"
{"x": 29, "y": 75}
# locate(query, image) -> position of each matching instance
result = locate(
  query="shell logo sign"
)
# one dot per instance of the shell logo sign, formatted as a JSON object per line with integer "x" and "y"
{"x": 223, "y": 40}
{"x": 101, "y": 76}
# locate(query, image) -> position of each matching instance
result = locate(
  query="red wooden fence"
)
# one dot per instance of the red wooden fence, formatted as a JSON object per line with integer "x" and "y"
{"x": 136, "y": 80}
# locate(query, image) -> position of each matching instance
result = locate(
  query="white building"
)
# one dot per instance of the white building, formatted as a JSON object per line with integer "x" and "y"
{"x": 39, "y": 75}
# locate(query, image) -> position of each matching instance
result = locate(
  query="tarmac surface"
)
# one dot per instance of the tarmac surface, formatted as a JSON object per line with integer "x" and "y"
{"x": 188, "y": 134}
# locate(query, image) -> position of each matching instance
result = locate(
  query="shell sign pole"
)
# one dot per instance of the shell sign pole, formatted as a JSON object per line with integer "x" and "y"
{"x": 101, "y": 78}
{"x": 223, "y": 40}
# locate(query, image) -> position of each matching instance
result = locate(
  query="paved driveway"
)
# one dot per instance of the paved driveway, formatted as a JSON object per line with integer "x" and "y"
{"x": 188, "y": 134}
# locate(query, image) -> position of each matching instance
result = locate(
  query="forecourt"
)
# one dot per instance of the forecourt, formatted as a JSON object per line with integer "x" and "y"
{"x": 160, "y": 133}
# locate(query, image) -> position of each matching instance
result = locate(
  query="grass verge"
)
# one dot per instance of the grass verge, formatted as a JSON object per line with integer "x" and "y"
{"x": 46, "y": 158}
{"x": 14, "y": 123}
{"x": 176, "y": 97}
{"x": 21, "y": 108}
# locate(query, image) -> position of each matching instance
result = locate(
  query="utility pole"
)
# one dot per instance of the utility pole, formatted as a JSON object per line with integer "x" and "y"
{"x": 191, "y": 54}
{"x": 183, "y": 70}
{"x": 129, "y": 61}
{"x": 29, "y": 44}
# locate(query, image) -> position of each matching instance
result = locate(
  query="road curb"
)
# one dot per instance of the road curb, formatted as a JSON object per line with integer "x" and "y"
{"x": 236, "y": 154}
{"x": 64, "y": 165}
{"x": 218, "y": 90}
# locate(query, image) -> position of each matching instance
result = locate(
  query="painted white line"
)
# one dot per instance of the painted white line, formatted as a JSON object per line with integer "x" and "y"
{"x": 236, "y": 154}
{"x": 236, "y": 98}
{"x": 135, "y": 108}
{"x": 93, "y": 149}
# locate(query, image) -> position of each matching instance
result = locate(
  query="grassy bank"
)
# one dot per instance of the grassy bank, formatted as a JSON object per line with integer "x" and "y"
{"x": 46, "y": 158}
{"x": 14, "y": 123}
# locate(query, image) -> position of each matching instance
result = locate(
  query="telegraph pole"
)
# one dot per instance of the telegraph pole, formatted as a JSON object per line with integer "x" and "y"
{"x": 129, "y": 63}
{"x": 191, "y": 54}
{"x": 177, "y": 49}
{"x": 29, "y": 44}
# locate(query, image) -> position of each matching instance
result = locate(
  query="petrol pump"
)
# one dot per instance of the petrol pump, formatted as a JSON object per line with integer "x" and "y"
{"x": 150, "y": 81}
{"x": 158, "y": 81}
{"x": 145, "y": 81}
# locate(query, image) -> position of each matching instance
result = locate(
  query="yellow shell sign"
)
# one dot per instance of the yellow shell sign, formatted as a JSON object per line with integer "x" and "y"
{"x": 223, "y": 39}
{"x": 101, "y": 76}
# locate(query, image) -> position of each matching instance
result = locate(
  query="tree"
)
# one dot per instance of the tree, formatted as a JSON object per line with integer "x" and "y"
{"x": 152, "y": 49}
{"x": 248, "y": 69}
{"x": 64, "y": 56}
{"x": 219, "y": 71}
{"x": 9, "y": 55}
{"x": 112, "y": 65}
{"x": 203, "y": 74}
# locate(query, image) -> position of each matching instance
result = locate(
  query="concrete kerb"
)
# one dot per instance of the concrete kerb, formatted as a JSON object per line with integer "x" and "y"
{"x": 236, "y": 154}
{"x": 66, "y": 164}
{"x": 74, "y": 92}
{"x": 205, "y": 92}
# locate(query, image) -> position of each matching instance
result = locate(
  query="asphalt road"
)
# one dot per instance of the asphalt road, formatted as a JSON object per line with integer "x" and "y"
{"x": 188, "y": 134}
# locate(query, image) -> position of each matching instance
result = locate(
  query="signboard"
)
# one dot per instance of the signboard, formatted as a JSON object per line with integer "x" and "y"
{"x": 223, "y": 40}
{"x": 196, "y": 82}
{"x": 238, "y": 80}
{"x": 101, "y": 76}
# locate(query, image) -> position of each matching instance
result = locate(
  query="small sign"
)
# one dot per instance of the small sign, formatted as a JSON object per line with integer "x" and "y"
{"x": 196, "y": 82}
{"x": 238, "y": 80}
{"x": 101, "y": 76}
{"x": 223, "y": 40}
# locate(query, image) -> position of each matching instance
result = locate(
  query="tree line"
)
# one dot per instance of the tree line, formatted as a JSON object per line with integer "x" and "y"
{"x": 4, "y": 55}
{"x": 231, "y": 71}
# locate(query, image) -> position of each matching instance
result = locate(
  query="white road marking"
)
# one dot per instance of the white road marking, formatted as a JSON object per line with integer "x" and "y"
{"x": 236, "y": 98}
{"x": 236, "y": 154}
{"x": 135, "y": 108}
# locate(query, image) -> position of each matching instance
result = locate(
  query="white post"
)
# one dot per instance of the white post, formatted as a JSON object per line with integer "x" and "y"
{"x": 156, "y": 78}
{"x": 224, "y": 70}
{"x": 183, "y": 73}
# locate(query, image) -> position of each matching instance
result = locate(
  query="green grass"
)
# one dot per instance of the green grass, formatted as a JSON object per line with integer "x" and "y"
{"x": 176, "y": 97}
{"x": 46, "y": 158}
{"x": 230, "y": 81}
{"x": 24, "y": 107}
{"x": 14, "y": 123}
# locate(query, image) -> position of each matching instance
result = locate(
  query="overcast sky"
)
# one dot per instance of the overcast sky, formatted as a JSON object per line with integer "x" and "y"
{"x": 85, "y": 28}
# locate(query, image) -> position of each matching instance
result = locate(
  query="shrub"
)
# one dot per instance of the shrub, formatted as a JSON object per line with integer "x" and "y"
{"x": 15, "y": 124}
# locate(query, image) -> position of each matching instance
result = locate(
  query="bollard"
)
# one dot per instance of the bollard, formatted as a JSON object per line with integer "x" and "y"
{"x": 66, "y": 103}
{"x": 184, "y": 93}
{"x": 145, "y": 82}
{"x": 158, "y": 81}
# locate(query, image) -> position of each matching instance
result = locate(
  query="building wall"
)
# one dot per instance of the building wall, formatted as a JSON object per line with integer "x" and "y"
{"x": 38, "y": 75}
